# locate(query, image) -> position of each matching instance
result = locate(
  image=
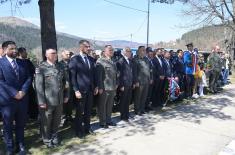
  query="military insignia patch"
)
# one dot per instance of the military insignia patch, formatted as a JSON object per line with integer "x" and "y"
{"x": 37, "y": 70}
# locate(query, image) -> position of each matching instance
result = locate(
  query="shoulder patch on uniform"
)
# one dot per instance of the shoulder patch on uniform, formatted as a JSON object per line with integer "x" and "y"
{"x": 37, "y": 70}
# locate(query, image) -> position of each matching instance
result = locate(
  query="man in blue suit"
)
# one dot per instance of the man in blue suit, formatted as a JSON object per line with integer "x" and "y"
{"x": 14, "y": 81}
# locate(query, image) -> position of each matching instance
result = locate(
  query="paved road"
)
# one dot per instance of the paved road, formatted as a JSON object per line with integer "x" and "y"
{"x": 201, "y": 128}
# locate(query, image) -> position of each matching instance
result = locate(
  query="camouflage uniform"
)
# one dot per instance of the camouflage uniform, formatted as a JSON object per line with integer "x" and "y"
{"x": 68, "y": 107}
{"x": 51, "y": 88}
{"x": 142, "y": 75}
{"x": 107, "y": 80}
{"x": 214, "y": 64}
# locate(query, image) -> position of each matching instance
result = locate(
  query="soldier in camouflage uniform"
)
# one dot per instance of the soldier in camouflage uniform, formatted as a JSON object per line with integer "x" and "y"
{"x": 67, "y": 107}
{"x": 107, "y": 84}
{"x": 214, "y": 65}
{"x": 142, "y": 79}
{"x": 51, "y": 88}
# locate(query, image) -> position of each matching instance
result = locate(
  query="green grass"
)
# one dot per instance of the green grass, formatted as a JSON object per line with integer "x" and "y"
{"x": 35, "y": 145}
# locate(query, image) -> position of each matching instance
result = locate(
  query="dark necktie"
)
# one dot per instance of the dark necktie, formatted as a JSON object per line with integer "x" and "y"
{"x": 15, "y": 67}
{"x": 86, "y": 61}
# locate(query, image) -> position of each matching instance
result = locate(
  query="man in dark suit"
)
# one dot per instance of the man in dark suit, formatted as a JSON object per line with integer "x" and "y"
{"x": 125, "y": 66}
{"x": 149, "y": 57}
{"x": 33, "y": 107}
{"x": 168, "y": 73}
{"x": 82, "y": 69}
{"x": 16, "y": 79}
{"x": 159, "y": 76}
{"x": 179, "y": 69}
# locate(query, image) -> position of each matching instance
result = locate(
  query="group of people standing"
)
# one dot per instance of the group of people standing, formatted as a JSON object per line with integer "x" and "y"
{"x": 80, "y": 80}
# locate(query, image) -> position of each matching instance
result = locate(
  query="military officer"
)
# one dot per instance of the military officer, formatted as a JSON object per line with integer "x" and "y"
{"x": 52, "y": 92}
{"x": 107, "y": 84}
{"x": 142, "y": 78}
{"x": 67, "y": 107}
{"x": 214, "y": 66}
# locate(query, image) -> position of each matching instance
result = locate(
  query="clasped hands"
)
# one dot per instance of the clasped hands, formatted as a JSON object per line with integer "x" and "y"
{"x": 19, "y": 95}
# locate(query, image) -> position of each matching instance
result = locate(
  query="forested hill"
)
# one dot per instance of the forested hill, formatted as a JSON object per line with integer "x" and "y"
{"x": 205, "y": 37}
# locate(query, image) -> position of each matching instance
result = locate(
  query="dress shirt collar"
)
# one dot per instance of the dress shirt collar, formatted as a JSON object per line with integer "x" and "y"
{"x": 10, "y": 59}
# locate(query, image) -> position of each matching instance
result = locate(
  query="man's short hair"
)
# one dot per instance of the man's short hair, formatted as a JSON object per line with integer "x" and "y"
{"x": 149, "y": 49}
{"x": 83, "y": 41}
{"x": 21, "y": 50}
{"x": 179, "y": 50}
{"x": 141, "y": 47}
{"x": 107, "y": 46}
{"x": 6, "y": 43}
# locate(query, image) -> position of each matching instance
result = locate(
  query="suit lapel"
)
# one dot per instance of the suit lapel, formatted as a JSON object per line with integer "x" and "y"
{"x": 8, "y": 65}
{"x": 82, "y": 61}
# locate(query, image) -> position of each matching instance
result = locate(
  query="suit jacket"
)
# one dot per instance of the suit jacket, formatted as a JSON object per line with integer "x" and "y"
{"x": 167, "y": 68}
{"x": 159, "y": 70}
{"x": 82, "y": 77}
{"x": 9, "y": 81}
{"x": 126, "y": 73}
{"x": 178, "y": 67}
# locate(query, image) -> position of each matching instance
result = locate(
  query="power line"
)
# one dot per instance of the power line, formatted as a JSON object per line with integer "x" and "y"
{"x": 124, "y": 6}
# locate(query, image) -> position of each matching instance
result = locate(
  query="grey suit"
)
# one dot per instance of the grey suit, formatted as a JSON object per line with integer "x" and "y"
{"x": 106, "y": 80}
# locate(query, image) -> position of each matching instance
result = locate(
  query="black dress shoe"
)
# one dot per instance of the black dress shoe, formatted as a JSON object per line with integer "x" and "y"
{"x": 104, "y": 126}
{"x": 55, "y": 141}
{"x": 111, "y": 124}
{"x": 80, "y": 135}
{"x": 20, "y": 149}
{"x": 125, "y": 119}
{"x": 9, "y": 153}
{"x": 50, "y": 145}
{"x": 89, "y": 132}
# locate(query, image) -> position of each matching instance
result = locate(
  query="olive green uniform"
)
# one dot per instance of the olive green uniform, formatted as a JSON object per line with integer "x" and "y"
{"x": 51, "y": 88}
{"x": 106, "y": 80}
{"x": 214, "y": 65}
{"x": 68, "y": 107}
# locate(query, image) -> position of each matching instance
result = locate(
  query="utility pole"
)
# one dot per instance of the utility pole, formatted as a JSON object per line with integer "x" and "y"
{"x": 131, "y": 40}
{"x": 148, "y": 23}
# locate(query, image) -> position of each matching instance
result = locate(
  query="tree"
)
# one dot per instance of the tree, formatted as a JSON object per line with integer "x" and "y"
{"x": 215, "y": 12}
{"x": 48, "y": 31}
{"x": 47, "y": 20}
{"x": 169, "y": 1}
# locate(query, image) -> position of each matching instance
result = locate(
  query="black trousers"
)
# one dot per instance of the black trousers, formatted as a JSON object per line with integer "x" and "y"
{"x": 150, "y": 96}
{"x": 33, "y": 110}
{"x": 68, "y": 107}
{"x": 158, "y": 94}
{"x": 189, "y": 85}
{"x": 213, "y": 79}
{"x": 83, "y": 113}
{"x": 125, "y": 101}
